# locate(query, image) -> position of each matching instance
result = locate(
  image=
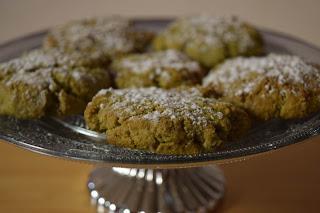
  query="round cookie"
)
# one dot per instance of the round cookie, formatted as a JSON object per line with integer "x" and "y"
{"x": 210, "y": 39}
{"x": 109, "y": 36}
{"x": 165, "y": 69}
{"x": 177, "y": 121}
{"x": 275, "y": 86}
{"x": 50, "y": 83}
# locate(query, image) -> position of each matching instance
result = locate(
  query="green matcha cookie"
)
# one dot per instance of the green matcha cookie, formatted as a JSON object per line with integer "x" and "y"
{"x": 109, "y": 36}
{"x": 164, "y": 69}
{"x": 177, "y": 121}
{"x": 50, "y": 83}
{"x": 275, "y": 86}
{"x": 209, "y": 39}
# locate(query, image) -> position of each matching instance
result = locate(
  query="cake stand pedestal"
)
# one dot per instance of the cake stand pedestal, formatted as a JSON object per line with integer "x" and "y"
{"x": 146, "y": 190}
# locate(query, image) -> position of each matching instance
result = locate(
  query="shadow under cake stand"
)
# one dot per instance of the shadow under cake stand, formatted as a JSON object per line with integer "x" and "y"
{"x": 128, "y": 180}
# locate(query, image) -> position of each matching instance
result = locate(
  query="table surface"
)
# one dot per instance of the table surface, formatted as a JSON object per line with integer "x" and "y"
{"x": 283, "y": 181}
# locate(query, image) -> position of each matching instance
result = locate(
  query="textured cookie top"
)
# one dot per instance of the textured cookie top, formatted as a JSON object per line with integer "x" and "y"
{"x": 106, "y": 34}
{"x": 215, "y": 30}
{"x": 176, "y": 121}
{"x": 34, "y": 68}
{"x": 228, "y": 29}
{"x": 157, "y": 61}
{"x": 285, "y": 69}
{"x": 39, "y": 58}
{"x": 155, "y": 103}
{"x": 39, "y": 68}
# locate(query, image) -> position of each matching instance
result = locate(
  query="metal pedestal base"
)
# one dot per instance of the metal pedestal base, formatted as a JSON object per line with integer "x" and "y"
{"x": 146, "y": 190}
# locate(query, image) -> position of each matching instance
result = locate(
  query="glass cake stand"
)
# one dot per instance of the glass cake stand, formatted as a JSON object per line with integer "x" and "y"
{"x": 137, "y": 181}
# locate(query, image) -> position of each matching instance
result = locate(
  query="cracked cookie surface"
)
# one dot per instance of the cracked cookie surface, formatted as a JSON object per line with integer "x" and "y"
{"x": 176, "y": 121}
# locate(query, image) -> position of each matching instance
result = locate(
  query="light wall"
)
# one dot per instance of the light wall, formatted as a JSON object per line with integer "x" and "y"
{"x": 299, "y": 18}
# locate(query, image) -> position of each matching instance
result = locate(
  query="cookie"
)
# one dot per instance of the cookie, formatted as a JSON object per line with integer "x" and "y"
{"x": 209, "y": 39}
{"x": 108, "y": 36}
{"x": 176, "y": 121}
{"x": 275, "y": 86}
{"x": 165, "y": 69}
{"x": 43, "y": 83}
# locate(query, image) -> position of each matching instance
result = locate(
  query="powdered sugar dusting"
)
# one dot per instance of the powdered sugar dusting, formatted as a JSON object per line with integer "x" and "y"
{"x": 38, "y": 67}
{"x": 31, "y": 61}
{"x": 40, "y": 78}
{"x": 153, "y": 116}
{"x": 286, "y": 69}
{"x": 39, "y": 58}
{"x": 169, "y": 59}
{"x": 156, "y": 103}
{"x": 215, "y": 31}
{"x": 109, "y": 34}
